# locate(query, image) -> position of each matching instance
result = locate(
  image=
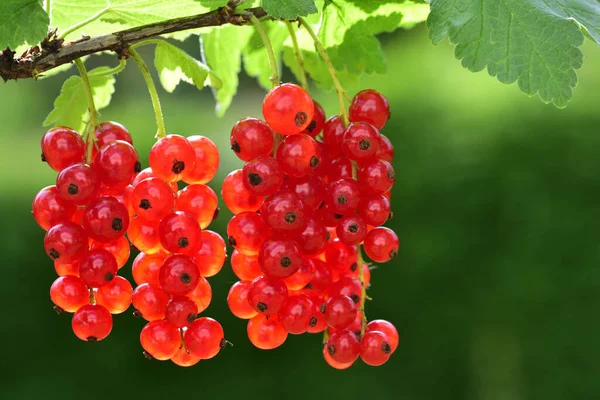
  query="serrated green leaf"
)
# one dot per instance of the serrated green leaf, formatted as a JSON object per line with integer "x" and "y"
{"x": 256, "y": 61}
{"x": 286, "y": 9}
{"x": 222, "y": 50}
{"x": 22, "y": 21}
{"x": 175, "y": 65}
{"x": 71, "y": 108}
{"x": 534, "y": 43}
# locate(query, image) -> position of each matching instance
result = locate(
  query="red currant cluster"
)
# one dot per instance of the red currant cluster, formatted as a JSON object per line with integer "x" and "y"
{"x": 95, "y": 203}
{"x": 303, "y": 207}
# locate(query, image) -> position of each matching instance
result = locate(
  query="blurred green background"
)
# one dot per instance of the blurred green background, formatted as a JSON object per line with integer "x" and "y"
{"x": 495, "y": 292}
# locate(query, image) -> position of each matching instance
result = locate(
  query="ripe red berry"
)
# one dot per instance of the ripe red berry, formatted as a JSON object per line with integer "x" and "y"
{"x": 245, "y": 267}
{"x": 146, "y": 266}
{"x": 181, "y": 311}
{"x": 262, "y": 176}
{"x": 266, "y": 332}
{"x": 236, "y": 196}
{"x": 339, "y": 255}
{"x": 298, "y": 155}
{"x": 266, "y": 294}
{"x": 199, "y": 201}
{"x": 340, "y": 312}
{"x": 310, "y": 189}
{"x": 374, "y": 209}
{"x": 297, "y": 314}
{"x": 66, "y": 242}
{"x": 361, "y": 142}
{"x": 116, "y": 163}
{"x": 279, "y": 258}
{"x": 69, "y": 293}
{"x": 78, "y": 183}
{"x": 321, "y": 279}
{"x": 211, "y": 255}
{"x": 178, "y": 275}
{"x": 202, "y": 294}
{"x": 343, "y": 196}
{"x": 374, "y": 348}
{"x": 206, "y": 163}
{"x": 346, "y": 286}
{"x": 204, "y": 338}
{"x": 237, "y": 299}
{"x": 150, "y": 301}
{"x": 116, "y": 295}
{"x": 251, "y": 138}
{"x": 120, "y": 249}
{"x": 312, "y": 237}
{"x": 144, "y": 235}
{"x": 333, "y": 134}
{"x": 171, "y": 156}
{"x": 376, "y": 177}
{"x": 49, "y": 208}
{"x": 386, "y": 149}
{"x": 381, "y": 244}
{"x": 109, "y": 131}
{"x": 318, "y": 121}
{"x": 160, "y": 339}
{"x": 302, "y": 277}
{"x": 351, "y": 230}
{"x": 97, "y": 268}
{"x": 152, "y": 199}
{"x": 67, "y": 269}
{"x": 370, "y": 106}
{"x": 246, "y": 232}
{"x": 105, "y": 219}
{"x": 288, "y": 109}
{"x": 388, "y": 329}
{"x": 343, "y": 347}
{"x": 340, "y": 168}
{"x": 179, "y": 232}
{"x": 332, "y": 363}
{"x": 148, "y": 173}
{"x": 283, "y": 211}
{"x": 62, "y": 147}
{"x": 183, "y": 359}
{"x": 92, "y": 323}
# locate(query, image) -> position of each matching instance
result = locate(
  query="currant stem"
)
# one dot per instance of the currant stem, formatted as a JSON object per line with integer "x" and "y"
{"x": 363, "y": 296}
{"x": 267, "y": 42}
{"x": 112, "y": 71}
{"x": 49, "y": 11}
{"x": 85, "y": 22}
{"x": 90, "y": 128}
{"x": 298, "y": 55}
{"x": 92, "y": 296}
{"x": 160, "y": 122}
{"x": 338, "y": 87}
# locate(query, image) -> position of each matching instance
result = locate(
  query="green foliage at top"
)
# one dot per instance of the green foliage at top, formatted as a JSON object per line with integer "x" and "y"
{"x": 22, "y": 21}
{"x": 285, "y": 9}
{"x": 534, "y": 43}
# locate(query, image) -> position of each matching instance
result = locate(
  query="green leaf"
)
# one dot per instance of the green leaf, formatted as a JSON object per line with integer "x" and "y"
{"x": 213, "y": 4}
{"x": 256, "y": 61}
{"x": 175, "y": 65}
{"x": 534, "y": 43}
{"x": 286, "y": 9}
{"x": 22, "y": 21}
{"x": 71, "y": 108}
{"x": 222, "y": 50}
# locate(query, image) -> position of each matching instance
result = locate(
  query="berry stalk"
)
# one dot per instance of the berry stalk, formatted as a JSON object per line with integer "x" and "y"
{"x": 160, "y": 122}
{"x": 299, "y": 60}
{"x": 338, "y": 87}
{"x": 112, "y": 71}
{"x": 267, "y": 42}
{"x": 83, "y": 23}
{"x": 363, "y": 295}
{"x": 90, "y": 128}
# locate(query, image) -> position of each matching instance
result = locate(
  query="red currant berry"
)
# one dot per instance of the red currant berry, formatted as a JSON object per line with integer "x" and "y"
{"x": 340, "y": 312}
{"x": 279, "y": 258}
{"x": 206, "y": 164}
{"x": 302, "y": 277}
{"x": 333, "y": 134}
{"x": 361, "y": 142}
{"x": 388, "y": 329}
{"x": 179, "y": 232}
{"x": 288, "y": 109}
{"x": 251, "y": 138}
{"x": 297, "y": 314}
{"x": 246, "y": 232}
{"x": 181, "y": 311}
{"x": 144, "y": 236}
{"x": 340, "y": 168}
{"x": 236, "y": 196}
{"x": 204, "y": 338}
{"x": 78, "y": 183}
{"x": 324, "y": 160}
{"x": 318, "y": 121}
{"x": 266, "y": 294}
{"x": 199, "y": 201}
{"x": 332, "y": 363}
{"x": 245, "y": 267}
{"x": 346, "y": 286}
{"x": 283, "y": 211}
{"x": 351, "y": 230}
{"x": 375, "y": 349}
{"x": 160, "y": 339}
{"x": 386, "y": 149}
{"x": 266, "y": 332}
{"x": 343, "y": 347}
{"x": 262, "y": 176}
{"x": 116, "y": 164}
{"x": 66, "y": 269}
{"x": 69, "y": 293}
{"x": 148, "y": 173}
{"x": 354, "y": 271}
{"x": 150, "y": 301}
{"x": 321, "y": 325}
{"x": 106, "y": 219}
{"x": 92, "y": 323}
{"x": 313, "y": 236}
{"x": 146, "y": 266}
{"x": 376, "y": 177}
{"x": 152, "y": 199}
{"x": 374, "y": 209}
{"x": 49, "y": 208}
{"x": 381, "y": 244}
{"x": 120, "y": 249}
{"x": 183, "y": 359}
{"x": 343, "y": 196}
{"x": 66, "y": 243}
{"x": 97, "y": 268}
{"x": 202, "y": 294}
{"x": 298, "y": 155}
{"x": 116, "y": 295}
{"x": 62, "y": 147}
{"x": 339, "y": 255}
{"x": 178, "y": 275}
{"x": 211, "y": 255}
{"x": 328, "y": 216}
{"x": 109, "y": 131}
{"x": 370, "y": 106}
{"x": 237, "y": 299}
{"x": 310, "y": 189}
{"x": 321, "y": 279}
{"x": 171, "y": 156}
